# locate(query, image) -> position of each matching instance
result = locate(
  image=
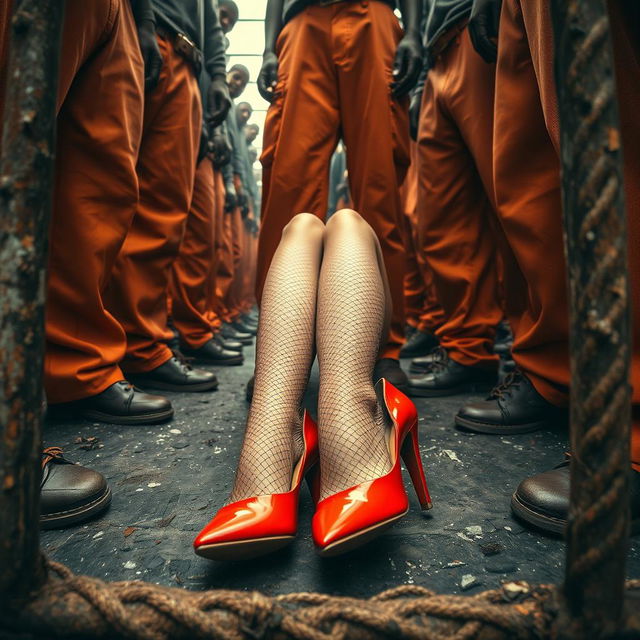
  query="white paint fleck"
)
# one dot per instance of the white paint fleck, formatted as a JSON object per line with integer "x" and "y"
{"x": 98, "y": 535}
{"x": 452, "y": 454}
{"x": 154, "y": 484}
{"x": 176, "y": 431}
{"x": 129, "y": 565}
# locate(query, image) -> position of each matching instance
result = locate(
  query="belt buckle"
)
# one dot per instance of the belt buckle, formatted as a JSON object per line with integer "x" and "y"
{"x": 183, "y": 45}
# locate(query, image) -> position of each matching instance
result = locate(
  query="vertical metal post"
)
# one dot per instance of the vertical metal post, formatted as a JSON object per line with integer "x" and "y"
{"x": 596, "y": 244}
{"x": 26, "y": 183}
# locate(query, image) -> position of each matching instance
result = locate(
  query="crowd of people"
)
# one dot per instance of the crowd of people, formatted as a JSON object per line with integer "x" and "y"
{"x": 439, "y": 128}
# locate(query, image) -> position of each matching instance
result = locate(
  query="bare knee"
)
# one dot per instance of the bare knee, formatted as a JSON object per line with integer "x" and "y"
{"x": 305, "y": 224}
{"x": 345, "y": 220}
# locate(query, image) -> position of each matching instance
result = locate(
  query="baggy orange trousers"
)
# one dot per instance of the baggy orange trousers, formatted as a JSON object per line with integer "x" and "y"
{"x": 335, "y": 70}
{"x": 191, "y": 273}
{"x": 234, "y": 292}
{"x": 525, "y": 77}
{"x": 214, "y": 304}
{"x": 225, "y": 273}
{"x": 456, "y": 217}
{"x": 100, "y": 99}
{"x": 422, "y": 309}
{"x": 137, "y": 294}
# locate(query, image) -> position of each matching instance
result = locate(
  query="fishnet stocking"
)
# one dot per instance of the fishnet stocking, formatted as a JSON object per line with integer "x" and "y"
{"x": 352, "y": 314}
{"x": 284, "y": 354}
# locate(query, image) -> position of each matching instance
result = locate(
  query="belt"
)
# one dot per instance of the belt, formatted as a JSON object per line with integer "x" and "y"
{"x": 183, "y": 46}
{"x": 326, "y": 3}
{"x": 445, "y": 39}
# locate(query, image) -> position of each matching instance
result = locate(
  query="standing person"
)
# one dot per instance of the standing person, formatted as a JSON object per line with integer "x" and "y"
{"x": 353, "y": 83}
{"x": 456, "y": 215}
{"x": 527, "y": 187}
{"x": 100, "y": 111}
{"x": 189, "y": 37}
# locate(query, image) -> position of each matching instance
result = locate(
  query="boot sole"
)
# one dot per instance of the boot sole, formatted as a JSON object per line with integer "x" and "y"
{"x": 243, "y": 549}
{"x": 451, "y": 391}
{"x": 78, "y": 515}
{"x": 355, "y": 540}
{"x": 229, "y": 362}
{"x": 147, "y": 418}
{"x": 499, "y": 429}
{"x": 184, "y": 388}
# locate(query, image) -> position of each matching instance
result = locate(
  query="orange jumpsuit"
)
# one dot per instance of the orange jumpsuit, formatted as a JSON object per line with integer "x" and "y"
{"x": 456, "y": 217}
{"x": 100, "y": 100}
{"x": 527, "y": 184}
{"x": 335, "y": 66}
{"x": 137, "y": 294}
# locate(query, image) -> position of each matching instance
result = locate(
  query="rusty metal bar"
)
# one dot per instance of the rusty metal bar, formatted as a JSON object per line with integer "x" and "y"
{"x": 26, "y": 183}
{"x": 596, "y": 244}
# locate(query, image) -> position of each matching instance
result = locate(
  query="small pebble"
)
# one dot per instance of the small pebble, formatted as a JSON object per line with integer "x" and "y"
{"x": 154, "y": 484}
{"x": 129, "y": 565}
{"x": 467, "y": 581}
{"x": 176, "y": 431}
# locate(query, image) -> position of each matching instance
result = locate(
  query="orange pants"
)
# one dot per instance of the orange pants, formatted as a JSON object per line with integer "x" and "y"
{"x": 234, "y": 293}
{"x": 341, "y": 90}
{"x": 96, "y": 194}
{"x": 214, "y": 304}
{"x": 525, "y": 74}
{"x": 224, "y": 275}
{"x": 456, "y": 217}
{"x": 191, "y": 272}
{"x": 137, "y": 292}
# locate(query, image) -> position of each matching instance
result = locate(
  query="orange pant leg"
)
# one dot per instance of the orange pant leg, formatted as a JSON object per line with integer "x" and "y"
{"x": 232, "y": 301}
{"x": 96, "y": 195}
{"x": 166, "y": 168}
{"x": 455, "y": 200}
{"x": 527, "y": 190}
{"x": 224, "y": 276}
{"x": 213, "y": 313}
{"x": 191, "y": 272}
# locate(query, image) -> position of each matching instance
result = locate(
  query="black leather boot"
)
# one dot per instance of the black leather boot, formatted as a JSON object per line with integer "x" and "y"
{"x": 418, "y": 344}
{"x": 239, "y": 326}
{"x": 389, "y": 368}
{"x": 228, "y": 344}
{"x": 543, "y": 500}
{"x": 446, "y": 377}
{"x": 69, "y": 493}
{"x": 422, "y": 364}
{"x": 176, "y": 375}
{"x": 514, "y": 406}
{"x": 212, "y": 353}
{"x": 228, "y": 331}
{"x": 121, "y": 403}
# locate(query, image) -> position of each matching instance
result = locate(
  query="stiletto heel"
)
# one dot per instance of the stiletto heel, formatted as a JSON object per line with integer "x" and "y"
{"x": 350, "y": 518}
{"x": 261, "y": 524}
{"x": 410, "y": 453}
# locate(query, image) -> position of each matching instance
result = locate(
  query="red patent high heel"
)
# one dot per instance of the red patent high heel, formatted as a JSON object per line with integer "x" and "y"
{"x": 261, "y": 524}
{"x": 352, "y": 517}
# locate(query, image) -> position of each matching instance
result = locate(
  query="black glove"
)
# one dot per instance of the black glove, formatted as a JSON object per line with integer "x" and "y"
{"x": 243, "y": 203}
{"x": 221, "y": 150}
{"x": 150, "y": 54}
{"x": 414, "y": 114}
{"x": 219, "y": 101}
{"x": 205, "y": 147}
{"x": 230, "y": 198}
{"x": 268, "y": 76}
{"x": 483, "y": 28}
{"x": 407, "y": 65}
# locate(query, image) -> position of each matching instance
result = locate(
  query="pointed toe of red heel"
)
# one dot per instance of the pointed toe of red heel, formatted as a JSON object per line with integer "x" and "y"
{"x": 258, "y": 525}
{"x": 351, "y": 518}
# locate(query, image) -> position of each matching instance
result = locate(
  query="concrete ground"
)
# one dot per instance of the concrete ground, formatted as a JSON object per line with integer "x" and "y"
{"x": 168, "y": 481}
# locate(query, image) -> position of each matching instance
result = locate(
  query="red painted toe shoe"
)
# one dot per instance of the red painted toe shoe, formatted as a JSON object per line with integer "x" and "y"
{"x": 351, "y": 518}
{"x": 262, "y": 524}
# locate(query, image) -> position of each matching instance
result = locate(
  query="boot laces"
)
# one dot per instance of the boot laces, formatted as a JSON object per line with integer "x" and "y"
{"x": 440, "y": 358}
{"x": 51, "y": 453}
{"x": 511, "y": 382}
{"x": 184, "y": 362}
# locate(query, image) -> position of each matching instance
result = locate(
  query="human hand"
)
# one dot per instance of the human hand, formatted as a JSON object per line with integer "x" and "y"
{"x": 150, "y": 54}
{"x": 268, "y": 76}
{"x": 483, "y": 28}
{"x": 407, "y": 65}
{"x": 219, "y": 101}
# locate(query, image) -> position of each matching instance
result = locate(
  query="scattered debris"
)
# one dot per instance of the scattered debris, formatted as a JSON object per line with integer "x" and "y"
{"x": 165, "y": 522}
{"x": 464, "y": 537}
{"x": 451, "y": 454}
{"x": 467, "y": 581}
{"x": 128, "y": 531}
{"x": 98, "y": 535}
{"x": 88, "y": 444}
{"x": 455, "y": 563}
{"x": 514, "y": 589}
{"x": 129, "y": 565}
{"x": 491, "y": 548}
{"x": 473, "y": 530}
{"x": 151, "y": 485}
{"x": 176, "y": 431}
{"x": 211, "y": 441}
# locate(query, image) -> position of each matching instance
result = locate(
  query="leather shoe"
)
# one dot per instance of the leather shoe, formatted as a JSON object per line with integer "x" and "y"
{"x": 390, "y": 369}
{"x": 543, "y": 500}
{"x": 69, "y": 493}
{"x": 176, "y": 375}
{"x": 514, "y": 406}
{"x": 239, "y": 326}
{"x": 228, "y": 331}
{"x": 418, "y": 344}
{"x": 121, "y": 403}
{"x": 229, "y": 345}
{"x": 446, "y": 377}
{"x": 212, "y": 353}
{"x": 422, "y": 364}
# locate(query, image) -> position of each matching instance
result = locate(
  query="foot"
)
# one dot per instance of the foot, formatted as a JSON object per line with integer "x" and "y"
{"x": 422, "y": 364}
{"x": 543, "y": 500}
{"x": 212, "y": 353}
{"x": 228, "y": 331}
{"x": 446, "y": 377}
{"x": 228, "y": 344}
{"x": 121, "y": 403}
{"x": 239, "y": 326}
{"x": 249, "y": 319}
{"x": 390, "y": 369}
{"x": 514, "y": 406}
{"x": 69, "y": 493}
{"x": 176, "y": 375}
{"x": 418, "y": 344}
